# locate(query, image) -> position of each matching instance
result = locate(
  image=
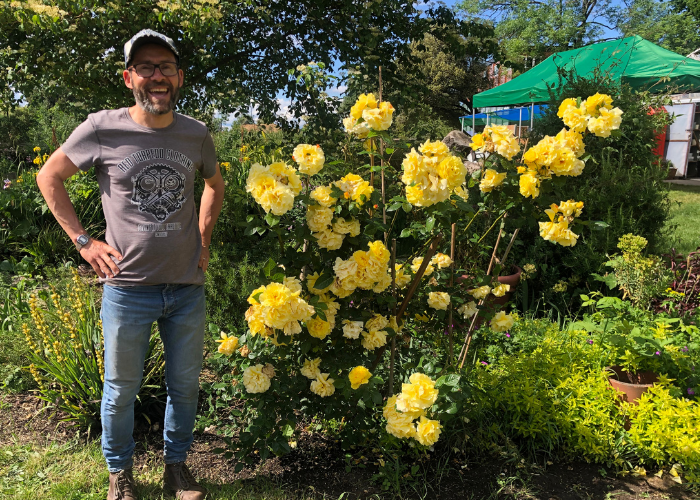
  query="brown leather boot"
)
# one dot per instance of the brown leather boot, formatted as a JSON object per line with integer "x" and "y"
{"x": 121, "y": 485}
{"x": 178, "y": 481}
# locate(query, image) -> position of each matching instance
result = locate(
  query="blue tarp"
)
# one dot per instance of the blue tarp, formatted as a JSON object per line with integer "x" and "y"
{"x": 503, "y": 116}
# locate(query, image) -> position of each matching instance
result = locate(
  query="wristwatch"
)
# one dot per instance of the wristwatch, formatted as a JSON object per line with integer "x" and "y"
{"x": 81, "y": 241}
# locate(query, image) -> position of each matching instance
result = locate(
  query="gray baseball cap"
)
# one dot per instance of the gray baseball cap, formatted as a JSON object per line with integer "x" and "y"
{"x": 147, "y": 36}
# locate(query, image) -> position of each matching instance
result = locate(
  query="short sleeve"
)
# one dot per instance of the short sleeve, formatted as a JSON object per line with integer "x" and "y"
{"x": 208, "y": 157}
{"x": 83, "y": 146}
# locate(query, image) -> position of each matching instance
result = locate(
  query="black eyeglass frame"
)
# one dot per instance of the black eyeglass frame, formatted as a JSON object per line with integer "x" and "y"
{"x": 134, "y": 67}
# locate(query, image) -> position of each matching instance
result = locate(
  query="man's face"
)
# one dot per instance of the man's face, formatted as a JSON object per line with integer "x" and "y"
{"x": 156, "y": 94}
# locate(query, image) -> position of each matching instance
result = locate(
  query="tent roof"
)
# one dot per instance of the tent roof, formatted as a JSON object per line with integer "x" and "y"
{"x": 632, "y": 60}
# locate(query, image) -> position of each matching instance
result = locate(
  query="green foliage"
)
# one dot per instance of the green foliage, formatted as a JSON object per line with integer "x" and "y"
{"x": 231, "y": 52}
{"x": 639, "y": 340}
{"x": 622, "y": 189}
{"x": 640, "y": 278}
{"x": 66, "y": 353}
{"x": 664, "y": 431}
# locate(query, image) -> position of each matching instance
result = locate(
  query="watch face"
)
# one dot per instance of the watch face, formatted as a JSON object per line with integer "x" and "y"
{"x": 83, "y": 239}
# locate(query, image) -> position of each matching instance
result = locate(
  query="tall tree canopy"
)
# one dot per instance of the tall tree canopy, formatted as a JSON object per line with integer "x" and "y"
{"x": 233, "y": 52}
{"x": 534, "y": 29}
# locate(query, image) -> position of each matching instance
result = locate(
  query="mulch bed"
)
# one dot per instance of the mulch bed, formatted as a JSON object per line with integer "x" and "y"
{"x": 317, "y": 466}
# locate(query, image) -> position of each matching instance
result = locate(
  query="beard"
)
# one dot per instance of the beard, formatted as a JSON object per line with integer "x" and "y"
{"x": 144, "y": 101}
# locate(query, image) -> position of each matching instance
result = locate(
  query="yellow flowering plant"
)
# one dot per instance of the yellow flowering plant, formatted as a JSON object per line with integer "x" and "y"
{"x": 365, "y": 299}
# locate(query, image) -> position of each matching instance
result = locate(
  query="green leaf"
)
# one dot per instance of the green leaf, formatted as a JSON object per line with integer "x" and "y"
{"x": 272, "y": 219}
{"x": 389, "y": 151}
{"x": 406, "y": 233}
{"x": 376, "y": 398}
{"x": 324, "y": 280}
{"x": 269, "y": 266}
{"x": 430, "y": 223}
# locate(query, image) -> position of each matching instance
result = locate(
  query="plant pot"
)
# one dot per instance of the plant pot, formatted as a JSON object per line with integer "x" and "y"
{"x": 671, "y": 173}
{"x": 631, "y": 386}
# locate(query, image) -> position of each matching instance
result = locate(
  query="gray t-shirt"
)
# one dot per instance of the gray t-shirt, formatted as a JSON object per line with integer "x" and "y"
{"x": 146, "y": 179}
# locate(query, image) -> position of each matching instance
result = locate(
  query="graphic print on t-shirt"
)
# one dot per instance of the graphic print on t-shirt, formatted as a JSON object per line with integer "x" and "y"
{"x": 158, "y": 190}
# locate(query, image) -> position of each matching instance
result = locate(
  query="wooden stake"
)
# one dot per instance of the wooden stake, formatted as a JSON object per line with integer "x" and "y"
{"x": 393, "y": 339}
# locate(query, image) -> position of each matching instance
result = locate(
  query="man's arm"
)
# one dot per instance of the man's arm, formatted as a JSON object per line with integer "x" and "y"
{"x": 212, "y": 200}
{"x": 51, "y": 180}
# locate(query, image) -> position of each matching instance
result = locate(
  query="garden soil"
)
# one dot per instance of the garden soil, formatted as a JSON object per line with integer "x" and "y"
{"x": 317, "y": 467}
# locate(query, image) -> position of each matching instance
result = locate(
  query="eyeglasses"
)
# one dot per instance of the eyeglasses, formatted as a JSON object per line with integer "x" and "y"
{"x": 146, "y": 70}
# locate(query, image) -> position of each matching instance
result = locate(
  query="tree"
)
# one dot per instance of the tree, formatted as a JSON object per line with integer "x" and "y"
{"x": 531, "y": 30}
{"x": 450, "y": 81}
{"x": 661, "y": 23}
{"x": 232, "y": 52}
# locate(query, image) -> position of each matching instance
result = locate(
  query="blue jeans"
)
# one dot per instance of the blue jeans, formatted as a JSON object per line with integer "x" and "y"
{"x": 127, "y": 316}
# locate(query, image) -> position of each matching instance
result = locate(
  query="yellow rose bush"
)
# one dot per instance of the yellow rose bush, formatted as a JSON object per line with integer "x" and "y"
{"x": 360, "y": 314}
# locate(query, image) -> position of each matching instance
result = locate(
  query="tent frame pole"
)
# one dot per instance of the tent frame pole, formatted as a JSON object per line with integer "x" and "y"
{"x": 532, "y": 116}
{"x": 520, "y": 122}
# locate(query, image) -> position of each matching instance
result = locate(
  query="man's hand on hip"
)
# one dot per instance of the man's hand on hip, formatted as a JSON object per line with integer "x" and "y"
{"x": 99, "y": 255}
{"x": 204, "y": 259}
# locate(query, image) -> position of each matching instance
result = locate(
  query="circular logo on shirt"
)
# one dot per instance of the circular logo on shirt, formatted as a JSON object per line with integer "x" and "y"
{"x": 158, "y": 190}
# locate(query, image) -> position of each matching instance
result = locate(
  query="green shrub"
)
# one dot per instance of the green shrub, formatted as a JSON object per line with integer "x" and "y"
{"x": 66, "y": 352}
{"x": 554, "y": 398}
{"x": 622, "y": 187}
{"x": 664, "y": 430}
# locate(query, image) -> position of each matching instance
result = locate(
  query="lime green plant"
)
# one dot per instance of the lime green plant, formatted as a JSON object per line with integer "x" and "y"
{"x": 640, "y": 278}
{"x": 666, "y": 430}
{"x": 67, "y": 355}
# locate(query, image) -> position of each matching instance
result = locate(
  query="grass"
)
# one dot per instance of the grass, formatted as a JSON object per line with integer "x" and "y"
{"x": 75, "y": 471}
{"x": 685, "y": 215}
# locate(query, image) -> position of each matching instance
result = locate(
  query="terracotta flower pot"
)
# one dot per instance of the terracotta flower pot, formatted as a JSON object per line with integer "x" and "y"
{"x": 631, "y": 386}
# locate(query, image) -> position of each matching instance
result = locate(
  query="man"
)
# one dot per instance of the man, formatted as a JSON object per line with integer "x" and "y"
{"x": 156, "y": 251}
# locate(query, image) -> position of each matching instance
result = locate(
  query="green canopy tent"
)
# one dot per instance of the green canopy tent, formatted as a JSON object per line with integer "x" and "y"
{"x": 631, "y": 60}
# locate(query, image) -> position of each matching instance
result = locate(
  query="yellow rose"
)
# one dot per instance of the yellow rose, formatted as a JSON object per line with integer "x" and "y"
{"x": 481, "y": 292}
{"x": 576, "y": 118}
{"x": 293, "y": 284}
{"x": 311, "y": 368}
{"x": 529, "y": 185}
{"x": 596, "y": 101}
{"x": 452, "y": 169}
{"x": 414, "y": 195}
{"x": 399, "y": 424}
{"x": 490, "y": 180}
{"x": 365, "y": 101}
{"x": 310, "y": 158}
{"x": 402, "y": 279}
{"x": 377, "y": 322}
{"x": 278, "y": 200}
{"x": 501, "y": 322}
{"x": 427, "y": 431}
{"x": 323, "y": 386}
{"x": 468, "y": 310}
{"x": 358, "y": 129}
{"x": 572, "y": 140}
{"x": 500, "y": 289}
{"x": 565, "y": 105}
{"x": 359, "y": 376}
{"x": 329, "y": 240}
{"x": 227, "y": 344}
{"x": 571, "y": 208}
{"x": 322, "y": 194}
{"x": 412, "y": 166}
{"x": 351, "y": 227}
{"x": 352, "y": 329}
{"x": 318, "y": 328}
{"x": 608, "y": 121}
{"x": 434, "y": 152}
{"x": 439, "y": 300}
{"x": 318, "y": 218}
{"x": 478, "y": 142}
{"x": 462, "y": 193}
{"x": 379, "y": 118}
{"x": 415, "y": 266}
{"x": 256, "y": 321}
{"x": 417, "y": 395}
{"x": 442, "y": 260}
{"x": 254, "y": 380}
{"x": 372, "y": 340}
